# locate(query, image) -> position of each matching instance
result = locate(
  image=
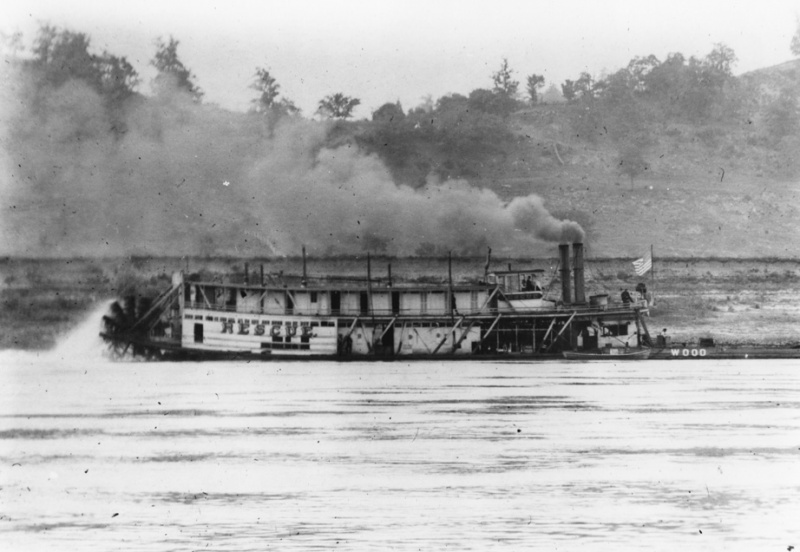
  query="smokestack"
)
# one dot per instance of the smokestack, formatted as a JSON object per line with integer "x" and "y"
{"x": 577, "y": 267}
{"x": 566, "y": 294}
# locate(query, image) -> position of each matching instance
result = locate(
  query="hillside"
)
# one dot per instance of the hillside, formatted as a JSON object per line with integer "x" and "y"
{"x": 678, "y": 153}
{"x": 726, "y": 184}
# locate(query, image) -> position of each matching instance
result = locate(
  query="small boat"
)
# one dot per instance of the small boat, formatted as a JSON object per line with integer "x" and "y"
{"x": 610, "y": 353}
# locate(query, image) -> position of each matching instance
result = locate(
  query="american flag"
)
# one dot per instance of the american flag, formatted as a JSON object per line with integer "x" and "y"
{"x": 641, "y": 266}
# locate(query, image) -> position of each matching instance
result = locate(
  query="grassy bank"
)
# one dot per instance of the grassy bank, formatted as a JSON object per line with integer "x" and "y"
{"x": 734, "y": 301}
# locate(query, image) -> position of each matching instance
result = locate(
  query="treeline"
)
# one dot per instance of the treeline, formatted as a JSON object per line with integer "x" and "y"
{"x": 58, "y": 56}
{"x": 694, "y": 101}
{"x": 461, "y": 135}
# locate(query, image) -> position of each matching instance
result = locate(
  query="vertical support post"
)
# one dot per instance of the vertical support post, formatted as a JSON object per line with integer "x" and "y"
{"x": 390, "y": 275}
{"x": 177, "y": 323}
{"x": 305, "y": 279}
{"x": 262, "y": 275}
{"x": 246, "y": 273}
{"x": 369, "y": 284}
{"x": 450, "y": 298}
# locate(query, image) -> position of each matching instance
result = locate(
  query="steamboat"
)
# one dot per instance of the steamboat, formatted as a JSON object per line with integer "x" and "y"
{"x": 506, "y": 314}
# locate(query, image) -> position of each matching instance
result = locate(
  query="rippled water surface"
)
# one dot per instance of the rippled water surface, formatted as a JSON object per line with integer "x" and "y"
{"x": 398, "y": 456}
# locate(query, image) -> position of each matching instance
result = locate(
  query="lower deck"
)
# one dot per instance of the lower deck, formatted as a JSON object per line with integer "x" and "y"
{"x": 205, "y": 330}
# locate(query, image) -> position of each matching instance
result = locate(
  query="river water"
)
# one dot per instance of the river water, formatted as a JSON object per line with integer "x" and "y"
{"x": 655, "y": 455}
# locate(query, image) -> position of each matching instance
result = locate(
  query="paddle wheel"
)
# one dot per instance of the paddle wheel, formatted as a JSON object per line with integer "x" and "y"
{"x": 138, "y": 326}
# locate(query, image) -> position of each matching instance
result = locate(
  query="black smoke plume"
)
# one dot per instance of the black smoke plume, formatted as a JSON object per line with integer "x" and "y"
{"x": 188, "y": 178}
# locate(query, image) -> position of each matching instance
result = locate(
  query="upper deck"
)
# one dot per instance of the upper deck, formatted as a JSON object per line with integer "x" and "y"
{"x": 428, "y": 301}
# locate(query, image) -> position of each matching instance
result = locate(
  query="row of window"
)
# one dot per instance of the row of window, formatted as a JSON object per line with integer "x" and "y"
{"x": 228, "y": 296}
{"x": 305, "y": 346}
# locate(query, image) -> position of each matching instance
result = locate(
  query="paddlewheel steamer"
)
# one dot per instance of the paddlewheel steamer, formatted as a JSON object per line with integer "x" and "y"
{"x": 506, "y": 314}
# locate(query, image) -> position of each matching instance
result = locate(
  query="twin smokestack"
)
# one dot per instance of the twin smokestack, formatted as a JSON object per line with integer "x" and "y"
{"x": 577, "y": 269}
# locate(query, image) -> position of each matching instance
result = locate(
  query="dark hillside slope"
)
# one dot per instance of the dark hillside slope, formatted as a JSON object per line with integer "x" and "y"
{"x": 723, "y": 185}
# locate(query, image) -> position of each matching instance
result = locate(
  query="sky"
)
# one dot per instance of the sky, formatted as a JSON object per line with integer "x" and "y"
{"x": 392, "y": 50}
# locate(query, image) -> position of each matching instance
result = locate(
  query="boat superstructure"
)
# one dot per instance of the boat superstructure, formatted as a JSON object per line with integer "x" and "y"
{"x": 506, "y": 313}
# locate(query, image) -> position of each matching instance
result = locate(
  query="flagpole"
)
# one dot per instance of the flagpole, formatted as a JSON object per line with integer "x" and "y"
{"x": 653, "y": 272}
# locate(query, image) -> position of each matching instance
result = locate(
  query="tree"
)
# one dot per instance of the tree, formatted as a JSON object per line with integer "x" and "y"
{"x": 503, "y": 82}
{"x": 172, "y": 71}
{"x": 337, "y": 106}
{"x": 585, "y": 86}
{"x": 639, "y": 68}
{"x": 491, "y": 102}
{"x": 60, "y": 55}
{"x": 118, "y": 78}
{"x": 267, "y": 86}
{"x": 720, "y": 61}
{"x": 568, "y": 90}
{"x": 631, "y": 161}
{"x": 389, "y": 113}
{"x": 534, "y": 84}
{"x": 285, "y": 106}
{"x": 795, "y": 44}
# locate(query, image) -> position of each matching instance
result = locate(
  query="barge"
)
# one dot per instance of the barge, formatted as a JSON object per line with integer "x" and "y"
{"x": 505, "y": 314}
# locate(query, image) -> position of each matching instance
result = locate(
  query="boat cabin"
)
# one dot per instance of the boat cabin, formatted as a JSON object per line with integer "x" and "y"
{"x": 520, "y": 284}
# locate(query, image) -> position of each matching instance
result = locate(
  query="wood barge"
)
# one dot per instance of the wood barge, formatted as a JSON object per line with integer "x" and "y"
{"x": 506, "y": 314}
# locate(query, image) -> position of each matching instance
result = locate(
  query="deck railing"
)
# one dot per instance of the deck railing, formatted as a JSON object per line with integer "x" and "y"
{"x": 390, "y": 313}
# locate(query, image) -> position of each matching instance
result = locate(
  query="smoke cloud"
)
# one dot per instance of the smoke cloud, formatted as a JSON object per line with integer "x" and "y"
{"x": 186, "y": 178}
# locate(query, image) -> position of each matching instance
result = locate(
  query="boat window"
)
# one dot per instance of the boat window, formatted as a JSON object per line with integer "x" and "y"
{"x": 615, "y": 329}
